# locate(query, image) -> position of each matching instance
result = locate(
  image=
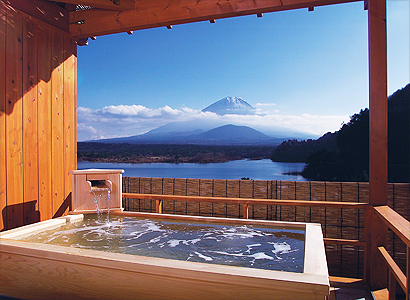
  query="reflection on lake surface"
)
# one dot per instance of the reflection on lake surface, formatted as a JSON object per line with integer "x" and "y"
{"x": 263, "y": 169}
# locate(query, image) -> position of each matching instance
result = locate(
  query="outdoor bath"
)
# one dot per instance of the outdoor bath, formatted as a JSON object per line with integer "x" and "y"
{"x": 35, "y": 270}
{"x": 100, "y": 251}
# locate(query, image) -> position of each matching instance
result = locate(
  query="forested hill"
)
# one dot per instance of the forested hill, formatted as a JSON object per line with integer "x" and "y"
{"x": 344, "y": 154}
{"x": 299, "y": 151}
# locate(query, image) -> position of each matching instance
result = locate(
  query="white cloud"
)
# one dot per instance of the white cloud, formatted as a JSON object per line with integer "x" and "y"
{"x": 126, "y": 120}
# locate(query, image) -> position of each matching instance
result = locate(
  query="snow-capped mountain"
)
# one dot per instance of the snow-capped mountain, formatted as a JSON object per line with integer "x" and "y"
{"x": 231, "y": 105}
{"x": 217, "y": 131}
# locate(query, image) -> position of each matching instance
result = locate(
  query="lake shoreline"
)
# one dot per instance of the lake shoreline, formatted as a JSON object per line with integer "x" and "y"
{"x": 263, "y": 169}
{"x": 166, "y": 160}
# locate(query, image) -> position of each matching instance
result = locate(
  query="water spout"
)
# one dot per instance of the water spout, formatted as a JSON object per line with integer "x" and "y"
{"x": 99, "y": 186}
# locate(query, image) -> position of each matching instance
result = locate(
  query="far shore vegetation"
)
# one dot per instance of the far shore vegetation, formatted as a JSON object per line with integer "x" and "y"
{"x": 168, "y": 153}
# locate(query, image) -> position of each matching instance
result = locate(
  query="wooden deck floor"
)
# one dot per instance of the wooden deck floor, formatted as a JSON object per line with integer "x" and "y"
{"x": 353, "y": 289}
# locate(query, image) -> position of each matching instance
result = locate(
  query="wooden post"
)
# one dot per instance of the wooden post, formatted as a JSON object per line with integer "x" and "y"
{"x": 376, "y": 270}
{"x": 245, "y": 211}
{"x": 408, "y": 274}
{"x": 392, "y": 286}
{"x": 158, "y": 206}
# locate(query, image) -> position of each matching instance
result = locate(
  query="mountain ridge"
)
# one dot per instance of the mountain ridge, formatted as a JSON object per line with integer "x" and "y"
{"x": 223, "y": 135}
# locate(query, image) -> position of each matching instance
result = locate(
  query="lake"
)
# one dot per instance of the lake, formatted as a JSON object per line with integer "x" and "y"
{"x": 264, "y": 169}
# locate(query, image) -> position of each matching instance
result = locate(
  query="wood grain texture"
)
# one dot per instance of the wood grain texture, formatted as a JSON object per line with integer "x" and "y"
{"x": 32, "y": 125}
{"x": 123, "y": 5}
{"x": 394, "y": 269}
{"x": 377, "y": 102}
{"x": 14, "y": 122}
{"x": 150, "y": 14}
{"x": 70, "y": 121}
{"x": 57, "y": 121}
{"x": 30, "y": 121}
{"x": 44, "y": 11}
{"x": 3, "y": 180}
{"x": 247, "y": 200}
{"x": 395, "y": 222}
{"x": 44, "y": 123}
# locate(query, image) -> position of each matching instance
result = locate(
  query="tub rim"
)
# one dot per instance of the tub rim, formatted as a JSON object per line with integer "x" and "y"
{"x": 314, "y": 279}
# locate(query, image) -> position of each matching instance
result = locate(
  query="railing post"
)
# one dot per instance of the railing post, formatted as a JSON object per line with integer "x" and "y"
{"x": 408, "y": 274}
{"x": 158, "y": 206}
{"x": 392, "y": 286}
{"x": 245, "y": 211}
{"x": 375, "y": 270}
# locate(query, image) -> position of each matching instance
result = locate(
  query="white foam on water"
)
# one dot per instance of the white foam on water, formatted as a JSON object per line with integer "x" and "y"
{"x": 250, "y": 247}
{"x": 281, "y": 248}
{"x": 242, "y": 232}
{"x": 261, "y": 255}
{"x": 174, "y": 243}
{"x": 204, "y": 257}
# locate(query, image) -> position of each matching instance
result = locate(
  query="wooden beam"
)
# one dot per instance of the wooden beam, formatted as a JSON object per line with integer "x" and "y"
{"x": 104, "y": 4}
{"x": 42, "y": 10}
{"x": 376, "y": 273}
{"x": 377, "y": 102}
{"x": 394, "y": 270}
{"x": 346, "y": 205}
{"x": 395, "y": 222}
{"x": 159, "y": 13}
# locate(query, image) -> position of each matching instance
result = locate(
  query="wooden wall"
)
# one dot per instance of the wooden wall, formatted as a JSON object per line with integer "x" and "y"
{"x": 38, "y": 97}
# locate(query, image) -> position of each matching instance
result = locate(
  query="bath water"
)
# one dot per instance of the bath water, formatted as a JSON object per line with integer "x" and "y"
{"x": 260, "y": 247}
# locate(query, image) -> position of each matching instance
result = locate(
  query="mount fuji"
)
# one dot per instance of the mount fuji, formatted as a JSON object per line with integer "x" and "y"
{"x": 231, "y": 105}
{"x": 214, "y": 130}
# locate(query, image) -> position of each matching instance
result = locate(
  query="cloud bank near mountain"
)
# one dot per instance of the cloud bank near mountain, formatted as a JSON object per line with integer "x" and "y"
{"x": 126, "y": 120}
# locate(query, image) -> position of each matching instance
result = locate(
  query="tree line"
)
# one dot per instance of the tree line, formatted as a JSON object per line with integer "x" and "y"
{"x": 344, "y": 154}
{"x": 167, "y": 153}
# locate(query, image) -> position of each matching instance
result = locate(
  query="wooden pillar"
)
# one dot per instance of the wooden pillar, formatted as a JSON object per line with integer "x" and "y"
{"x": 376, "y": 270}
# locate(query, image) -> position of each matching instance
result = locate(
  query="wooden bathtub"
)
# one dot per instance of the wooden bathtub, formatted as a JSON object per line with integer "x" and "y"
{"x": 43, "y": 271}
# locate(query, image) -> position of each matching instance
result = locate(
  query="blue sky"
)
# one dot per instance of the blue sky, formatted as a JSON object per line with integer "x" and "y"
{"x": 303, "y": 71}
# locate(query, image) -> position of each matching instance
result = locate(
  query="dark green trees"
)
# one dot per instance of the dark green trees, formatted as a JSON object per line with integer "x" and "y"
{"x": 349, "y": 160}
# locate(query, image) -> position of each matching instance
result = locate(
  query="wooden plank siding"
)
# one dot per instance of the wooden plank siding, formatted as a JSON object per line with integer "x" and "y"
{"x": 37, "y": 119}
{"x": 30, "y": 120}
{"x": 57, "y": 116}
{"x": 14, "y": 112}
{"x": 44, "y": 122}
{"x": 3, "y": 213}
{"x": 70, "y": 120}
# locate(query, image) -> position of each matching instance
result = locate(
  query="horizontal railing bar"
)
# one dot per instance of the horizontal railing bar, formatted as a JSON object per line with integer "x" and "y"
{"x": 347, "y": 205}
{"x": 344, "y": 242}
{"x": 395, "y": 222}
{"x": 190, "y": 218}
{"x": 394, "y": 268}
